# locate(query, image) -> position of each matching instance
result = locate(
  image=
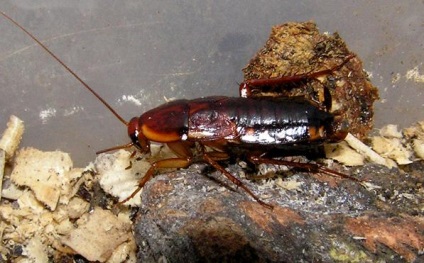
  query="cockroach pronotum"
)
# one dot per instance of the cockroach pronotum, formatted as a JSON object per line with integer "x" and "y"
{"x": 256, "y": 126}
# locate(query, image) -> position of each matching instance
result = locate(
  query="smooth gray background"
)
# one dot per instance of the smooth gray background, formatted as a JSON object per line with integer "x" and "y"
{"x": 179, "y": 49}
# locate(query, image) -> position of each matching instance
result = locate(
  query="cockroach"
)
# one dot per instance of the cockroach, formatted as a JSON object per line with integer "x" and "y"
{"x": 221, "y": 124}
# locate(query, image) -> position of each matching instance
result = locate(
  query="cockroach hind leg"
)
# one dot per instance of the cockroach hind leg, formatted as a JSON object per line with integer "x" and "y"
{"x": 246, "y": 87}
{"x": 310, "y": 167}
{"x": 266, "y": 205}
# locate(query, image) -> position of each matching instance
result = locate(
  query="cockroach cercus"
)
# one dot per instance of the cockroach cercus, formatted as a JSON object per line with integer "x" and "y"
{"x": 255, "y": 126}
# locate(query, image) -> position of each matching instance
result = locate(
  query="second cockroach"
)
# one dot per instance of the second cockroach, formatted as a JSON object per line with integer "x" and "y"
{"x": 255, "y": 126}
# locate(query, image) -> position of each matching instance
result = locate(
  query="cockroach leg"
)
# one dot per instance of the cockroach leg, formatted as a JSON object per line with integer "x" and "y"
{"x": 310, "y": 167}
{"x": 246, "y": 87}
{"x": 129, "y": 166}
{"x": 184, "y": 161}
{"x": 166, "y": 163}
{"x": 131, "y": 163}
{"x": 224, "y": 123}
{"x": 119, "y": 147}
{"x": 234, "y": 180}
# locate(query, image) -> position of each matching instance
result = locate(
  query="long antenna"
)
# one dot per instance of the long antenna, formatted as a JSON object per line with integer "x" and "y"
{"x": 67, "y": 68}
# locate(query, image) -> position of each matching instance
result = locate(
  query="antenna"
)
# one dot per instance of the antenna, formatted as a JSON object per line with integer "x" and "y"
{"x": 67, "y": 68}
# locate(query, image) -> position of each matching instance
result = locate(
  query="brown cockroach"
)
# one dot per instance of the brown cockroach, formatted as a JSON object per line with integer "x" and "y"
{"x": 257, "y": 126}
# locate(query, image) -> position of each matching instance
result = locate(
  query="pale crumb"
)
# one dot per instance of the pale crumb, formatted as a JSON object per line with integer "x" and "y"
{"x": 359, "y": 238}
{"x": 166, "y": 99}
{"x": 242, "y": 164}
{"x": 369, "y": 74}
{"x": 12, "y": 136}
{"x": 64, "y": 227}
{"x": 43, "y": 172}
{"x": 28, "y": 201}
{"x": 70, "y": 184}
{"x": 390, "y": 131}
{"x": 11, "y": 192}
{"x": 241, "y": 174}
{"x": 415, "y": 136}
{"x": 36, "y": 228}
{"x": 395, "y": 78}
{"x": 46, "y": 114}
{"x": 414, "y": 75}
{"x": 415, "y": 131}
{"x": 290, "y": 185}
{"x": 267, "y": 169}
{"x": 131, "y": 98}
{"x": 76, "y": 208}
{"x": 418, "y": 146}
{"x": 342, "y": 153}
{"x": 119, "y": 174}
{"x": 392, "y": 148}
{"x": 36, "y": 251}
{"x": 370, "y": 186}
{"x": 119, "y": 177}
{"x": 366, "y": 150}
{"x": 265, "y": 196}
{"x": 407, "y": 196}
{"x": 335, "y": 106}
{"x": 2, "y": 163}
{"x": 126, "y": 252}
{"x": 72, "y": 110}
{"x": 98, "y": 235}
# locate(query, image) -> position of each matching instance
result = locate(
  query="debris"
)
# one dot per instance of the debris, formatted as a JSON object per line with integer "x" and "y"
{"x": 390, "y": 131}
{"x": 414, "y": 135}
{"x": 392, "y": 148}
{"x": 366, "y": 151}
{"x": 44, "y": 173}
{"x": 12, "y": 136}
{"x": 48, "y": 209}
{"x": 98, "y": 235}
{"x": 47, "y": 219}
{"x": 344, "y": 154}
{"x": 299, "y": 48}
{"x": 119, "y": 176}
{"x": 2, "y": 164}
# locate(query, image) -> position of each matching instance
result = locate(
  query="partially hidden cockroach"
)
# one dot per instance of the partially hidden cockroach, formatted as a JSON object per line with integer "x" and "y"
{"x": 256, "y": 126}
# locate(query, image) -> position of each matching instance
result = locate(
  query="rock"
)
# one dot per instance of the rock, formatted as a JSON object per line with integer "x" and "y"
{"x": 186, "y": 217}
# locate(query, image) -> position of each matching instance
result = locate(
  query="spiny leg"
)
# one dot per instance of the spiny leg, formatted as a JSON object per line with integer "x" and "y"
{"x": 310, "y": 167}
{"x": 233, "y": 179}
{"x": 119, "y": 147}
{"x": 245, "y": 89}
{"x": 181, "y": 149}
{"x": 167, "y": 163}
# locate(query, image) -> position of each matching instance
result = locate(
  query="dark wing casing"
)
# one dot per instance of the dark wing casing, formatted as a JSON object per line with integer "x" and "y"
{"x": 258, "y": 121}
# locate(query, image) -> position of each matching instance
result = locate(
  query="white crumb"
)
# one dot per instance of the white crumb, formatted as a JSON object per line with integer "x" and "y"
{"x": 46, "y": 114}
{"x": 414, "y": 75}
{"x": 72, "y": 110}
{"x": 132, "y": 99}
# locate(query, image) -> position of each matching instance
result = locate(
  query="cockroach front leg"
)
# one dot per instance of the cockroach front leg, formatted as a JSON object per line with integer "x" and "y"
{"x": 167, "y": 163}
{"x": 183, "y": 160}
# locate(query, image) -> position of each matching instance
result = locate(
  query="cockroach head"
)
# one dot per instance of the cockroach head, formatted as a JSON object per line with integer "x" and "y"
{"x": 137, "y": 137}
